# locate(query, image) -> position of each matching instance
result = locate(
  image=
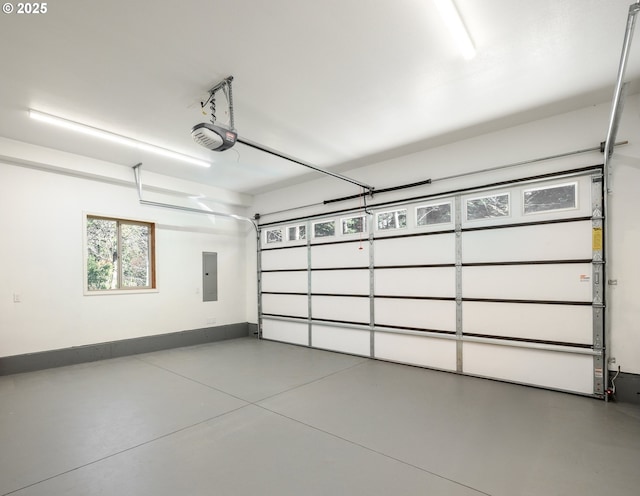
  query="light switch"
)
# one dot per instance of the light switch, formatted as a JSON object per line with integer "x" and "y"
{"x": 17, "y": 298}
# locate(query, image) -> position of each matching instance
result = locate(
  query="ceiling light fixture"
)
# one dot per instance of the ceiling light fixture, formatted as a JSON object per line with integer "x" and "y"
{"x": 115, "y": 138}
{"x": 452, "y": 19}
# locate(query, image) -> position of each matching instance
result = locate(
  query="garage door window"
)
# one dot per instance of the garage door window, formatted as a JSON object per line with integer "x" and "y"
{"x": 324, "y": 229}
{"x": 354, "y": 225}
{"x": 487, "y": 207}
{"x": 396, "y": 219}
{"x": 427, "y": 215}
{"x": 295, "y": 233}
{"x": 557, "y": 197}
{"x": 274, "y": 236}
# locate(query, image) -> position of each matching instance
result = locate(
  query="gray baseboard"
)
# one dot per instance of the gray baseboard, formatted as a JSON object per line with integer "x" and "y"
{"x": 627, "y": 387}
{"x": 100, "y": 351}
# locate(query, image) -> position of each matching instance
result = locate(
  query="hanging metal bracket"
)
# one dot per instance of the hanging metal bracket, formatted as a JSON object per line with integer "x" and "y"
{"x": 225, "y": 86}
{"x": 136, "y": 174}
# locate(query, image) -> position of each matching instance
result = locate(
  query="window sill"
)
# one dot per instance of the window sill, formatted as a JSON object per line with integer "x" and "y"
{"x": 107, "y": 292}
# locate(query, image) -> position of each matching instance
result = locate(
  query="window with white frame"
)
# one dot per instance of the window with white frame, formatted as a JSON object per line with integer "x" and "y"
{"x": 548, "y": 198}
{"x": 393, "y": 219}
{"x": 273, "y": 235}
{"x": 120, "y": 254}
{"x": 437, "y": 213}
{"x": 295, "y": 233}
{"x": 354, "y": 225}
{"x": 324, "y": 229}
{"x": 487, "y": 207}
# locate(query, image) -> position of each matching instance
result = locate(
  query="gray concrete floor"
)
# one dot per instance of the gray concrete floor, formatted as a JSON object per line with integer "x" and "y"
{"x": 253, "y": 417}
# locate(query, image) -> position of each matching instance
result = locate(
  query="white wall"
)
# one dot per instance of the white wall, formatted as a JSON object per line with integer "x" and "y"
{"x": 41, "y": 259}
{"x": 577, "y": 130}
{"x": 41, "y": 253}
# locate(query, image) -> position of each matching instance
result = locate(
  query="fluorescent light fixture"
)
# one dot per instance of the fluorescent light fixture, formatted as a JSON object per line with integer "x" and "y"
{"x": 452, "y": 19}
{"x": 115, "y": 138}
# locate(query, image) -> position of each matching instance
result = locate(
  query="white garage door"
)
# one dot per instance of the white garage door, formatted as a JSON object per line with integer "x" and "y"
{"x": 500, "y": 282}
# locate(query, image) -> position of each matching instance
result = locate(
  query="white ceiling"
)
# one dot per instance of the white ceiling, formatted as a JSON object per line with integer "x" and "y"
{"x": 334, "y": 83}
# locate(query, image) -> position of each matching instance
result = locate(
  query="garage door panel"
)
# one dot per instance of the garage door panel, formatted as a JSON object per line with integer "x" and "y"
{"x": 417, "y": 250}
{"x": 557, "y": 323}
{"x": 563, "y": 241}
{"x": 340, "y": 255}
{"x": 508, "y": 281}
{"x": 348, "y": 281}
{"x": 416, "y": 350}
{"x": 290, "y": 258}
{"x": 288, "y": 332}
{"x": 340, "y": 308}
{"x": 556, "y": 282}
{"x": 439, "y": 315}
{"x": 288, "y": 305}
{"x": 553, "y": 369}
{"x": 355, "y": 341}
{"x": 432, "y": 281}
{"x": 288, "y": 282}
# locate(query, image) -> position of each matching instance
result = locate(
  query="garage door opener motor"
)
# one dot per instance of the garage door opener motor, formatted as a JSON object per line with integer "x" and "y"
{"x": 216, "y": 137}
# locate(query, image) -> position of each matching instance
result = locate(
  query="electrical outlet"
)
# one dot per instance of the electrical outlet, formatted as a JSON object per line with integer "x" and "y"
{"x": 17, "y": 298}
{"x": 211, "y": 320}
{"x": 612, "y": 360}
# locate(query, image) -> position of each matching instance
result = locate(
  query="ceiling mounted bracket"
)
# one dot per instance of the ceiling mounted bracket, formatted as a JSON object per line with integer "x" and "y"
{"x": 212, "y": 136}
{"x": 226, "y": 88}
